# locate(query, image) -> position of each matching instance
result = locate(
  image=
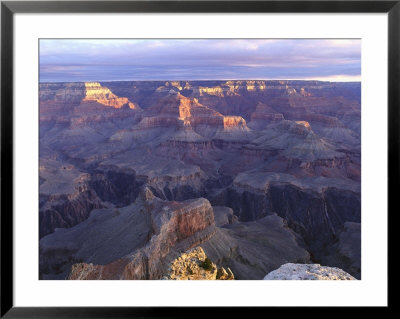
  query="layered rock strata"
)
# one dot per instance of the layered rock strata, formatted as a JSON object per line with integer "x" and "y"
{"x": 252, "y": 148}
{"x": 154, "y": 231}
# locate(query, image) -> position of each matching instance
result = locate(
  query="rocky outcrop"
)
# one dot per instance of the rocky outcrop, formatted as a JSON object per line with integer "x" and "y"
{"x": 185, "y": 114}
{"x": 310, "y": 205}
{"x": 66, "y": 197}
{"x": 308, "y": 272}
{"x": 94, "y": 92}
{"x": 64, "y": 211}
{"x": 77, "y": 106}
{"x": 264, "y": 115}
{"x": 168, "y": 179}
{"x": 66, "y": 93}
{"x": 69, "y": 94}
{"x": 224, "y": 216}
{"x": 143, "y": 240}
{"x": 295, "y": 140}
{"x": 195, "y": 265}
{"x": 154, "y": 232}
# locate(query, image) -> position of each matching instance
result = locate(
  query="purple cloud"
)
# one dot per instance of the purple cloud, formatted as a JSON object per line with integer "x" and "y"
{"x": 107, "y": 60}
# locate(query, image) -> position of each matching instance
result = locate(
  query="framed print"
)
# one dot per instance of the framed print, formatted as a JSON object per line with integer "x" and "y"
{"x": 158, "y": 155}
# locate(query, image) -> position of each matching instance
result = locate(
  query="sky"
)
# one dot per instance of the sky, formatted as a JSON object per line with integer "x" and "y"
{"x": 80, "y": 60}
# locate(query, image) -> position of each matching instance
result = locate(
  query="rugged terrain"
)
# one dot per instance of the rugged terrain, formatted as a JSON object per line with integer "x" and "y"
{"x": 257, "y": 174}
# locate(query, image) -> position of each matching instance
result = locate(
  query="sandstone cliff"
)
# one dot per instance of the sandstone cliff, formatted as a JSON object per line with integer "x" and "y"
{"x": 185, "y": 114}
{"x": 102, "y": 95}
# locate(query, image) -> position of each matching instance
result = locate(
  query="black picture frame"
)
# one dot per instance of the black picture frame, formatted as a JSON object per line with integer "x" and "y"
{"x": 9, "y": 8}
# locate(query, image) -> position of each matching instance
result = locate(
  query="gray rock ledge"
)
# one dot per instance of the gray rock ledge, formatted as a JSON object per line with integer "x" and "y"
{"x": 291, "y": 271}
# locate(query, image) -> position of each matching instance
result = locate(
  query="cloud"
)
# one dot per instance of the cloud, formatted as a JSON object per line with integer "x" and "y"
{"x": 167, "y": 59}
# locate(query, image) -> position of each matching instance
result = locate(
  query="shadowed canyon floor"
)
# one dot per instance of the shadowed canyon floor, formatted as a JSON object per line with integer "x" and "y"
{"x": 250, "y": 174}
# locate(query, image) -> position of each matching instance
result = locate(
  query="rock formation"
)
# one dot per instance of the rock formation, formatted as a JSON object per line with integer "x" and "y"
{"x": 153, "y": 231}
{"x": 94, "y": 92}
{"x": 195, "y": 265}
{"x": 199, "y": 122}
{"x": 66, "y": 198}
{"x": 308, "y": 272}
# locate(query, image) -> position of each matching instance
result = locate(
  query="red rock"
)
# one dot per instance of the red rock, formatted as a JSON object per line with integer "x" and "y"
{"x": 174, "y": 224}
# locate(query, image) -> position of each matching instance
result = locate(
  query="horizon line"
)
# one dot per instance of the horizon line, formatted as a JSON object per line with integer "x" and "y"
{"x": 164, "y": 80}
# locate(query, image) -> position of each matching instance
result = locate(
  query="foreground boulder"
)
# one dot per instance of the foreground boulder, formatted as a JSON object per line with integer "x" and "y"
{"x": 308, "y": 272}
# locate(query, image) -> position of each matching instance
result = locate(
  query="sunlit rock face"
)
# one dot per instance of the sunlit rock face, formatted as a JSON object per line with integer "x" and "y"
{"x": 279, "y": 161}
{"x": 94, "y": 92}
{"x": 80, "y": 105}
{"x": 195, "y": 265}
{"x": 305, "y": 124}
{"x": 201, "y": 91}
{"x": 190, "y": 121}
{"x": 75, "y": 93}
{"x": 232, "y": 122}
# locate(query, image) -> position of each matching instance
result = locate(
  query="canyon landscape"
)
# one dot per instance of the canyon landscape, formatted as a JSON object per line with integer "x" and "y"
{"x": 199, "y": 179}
{"x": 256, "y": 173}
